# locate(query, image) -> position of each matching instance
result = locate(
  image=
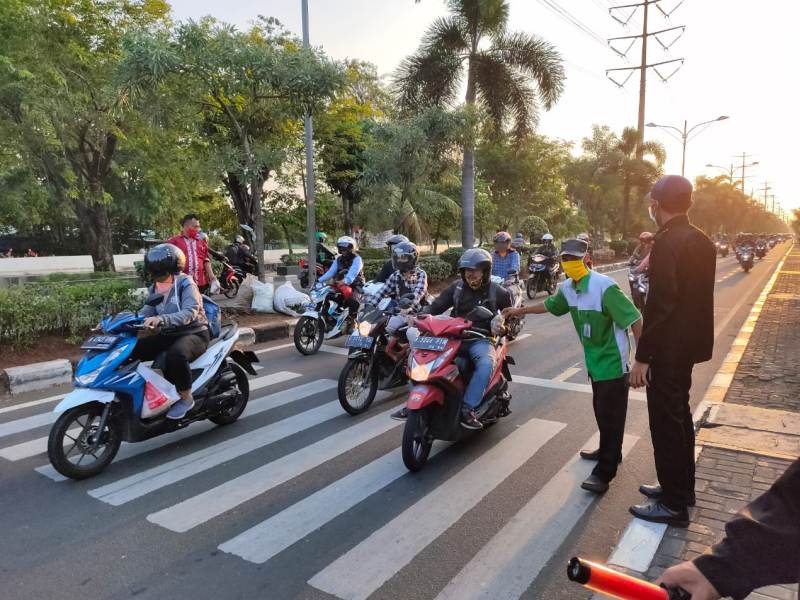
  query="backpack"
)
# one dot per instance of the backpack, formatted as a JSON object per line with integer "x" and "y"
{"x": 212, "y": 311}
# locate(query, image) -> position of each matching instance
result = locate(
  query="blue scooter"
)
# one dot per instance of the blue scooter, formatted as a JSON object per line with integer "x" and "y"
{"x": 106, "y": 406}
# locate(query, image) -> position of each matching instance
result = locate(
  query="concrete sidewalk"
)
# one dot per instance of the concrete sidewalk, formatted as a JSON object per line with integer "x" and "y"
{"x": 752, "y": 435}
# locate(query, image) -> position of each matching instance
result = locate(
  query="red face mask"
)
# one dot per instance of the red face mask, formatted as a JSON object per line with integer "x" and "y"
{"x": 192, "y": 233}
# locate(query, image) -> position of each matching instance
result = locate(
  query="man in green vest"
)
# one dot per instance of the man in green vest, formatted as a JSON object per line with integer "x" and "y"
{"x": 602, "y": 315}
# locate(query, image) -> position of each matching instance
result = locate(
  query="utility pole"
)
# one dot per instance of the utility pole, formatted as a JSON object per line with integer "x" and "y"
{"x": 744, "y": 167}
{"x": 643, "y": 65}
{"x": 765, "y": 189}
{"x": 311, "y": 226}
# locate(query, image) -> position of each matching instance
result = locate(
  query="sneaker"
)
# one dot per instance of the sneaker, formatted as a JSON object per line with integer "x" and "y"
{"x": 469, "y": 420}
{"x": 180, "y": 408}
{"x": 400, "y": 415}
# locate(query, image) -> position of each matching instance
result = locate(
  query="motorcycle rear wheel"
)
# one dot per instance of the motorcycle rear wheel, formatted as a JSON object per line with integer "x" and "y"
{"x": 416, "y": 441}
{"x": 233, "y": 412}
{"x": 530, "y": 288}
{"x": 357, "y": 385}
{"x": 63, "y": 442}
{"x": 308, "y": 335}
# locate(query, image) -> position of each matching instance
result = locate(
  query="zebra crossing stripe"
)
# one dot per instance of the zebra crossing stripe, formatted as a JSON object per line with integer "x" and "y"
{"x": 260, "y": 543}
{"x": 31, "y": 403}
{"x": 254, "y": 407}
{"x": 393, "y": 546}
{"x": 47, "y": 418}
{"x": 510, "y": 562}
{"x": 129, "y": 488}
{"x": 197, "y": 510}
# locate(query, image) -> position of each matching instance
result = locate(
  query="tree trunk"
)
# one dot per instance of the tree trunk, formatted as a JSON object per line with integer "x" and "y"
{"x": 95, "y": 227}
{"x": 435, "y": 245}
{"x": 468, "y": 170}
{"x": 258, "y": 222}
{"x": 346, "y": 215}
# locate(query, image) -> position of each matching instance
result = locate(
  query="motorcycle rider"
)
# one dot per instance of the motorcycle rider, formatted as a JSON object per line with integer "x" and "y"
{"x": 549, "y": 250}
{"x": 238, "y": 255}
{"x": 505, "y": 260}
{"x": 640, "y": 259}
{"x": 181, "y": 310}
{"x": 348, "y": 267}
{"x": 475, "y": 289}
{"x": 388, "y": 267}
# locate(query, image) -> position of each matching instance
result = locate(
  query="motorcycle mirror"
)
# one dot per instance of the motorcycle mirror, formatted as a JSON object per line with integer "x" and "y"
{"x": 154, "y": 300}
{"x": 480, "y": 313}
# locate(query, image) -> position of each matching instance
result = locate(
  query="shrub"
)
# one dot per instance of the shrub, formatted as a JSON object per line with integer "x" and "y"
{"x": 32, "y": 311}
{"x": 451, "y": 257}
{"x": 294, "y": 258}
{"x": 372, "y": 267}
{"x": 373, "y": 253}
{"x": 436, "y": 268}
{"x": 620, "y": 247}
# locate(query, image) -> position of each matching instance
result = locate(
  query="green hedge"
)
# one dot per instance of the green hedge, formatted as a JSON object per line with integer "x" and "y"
{"x": 32, "y": 311}
{"x": 451, "y": 256}
{"x": 374, "y": 253}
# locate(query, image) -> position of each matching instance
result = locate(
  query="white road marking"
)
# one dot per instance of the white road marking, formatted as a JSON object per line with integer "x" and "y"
{"x": 197, "y": 510}
{"x": 27, "y": 423}
{"x": 273, "y": 348}
{"x": 568, "y": 386}
{"x": 638, "y": 545}
{"x": 260, "y": 543}
{"x": 394, "y": 545}
{"x": 567, "y": 373}
{"x": 254, "y": 407}
{"x": 507, "y": 565}
{"x": 31, "y": 403}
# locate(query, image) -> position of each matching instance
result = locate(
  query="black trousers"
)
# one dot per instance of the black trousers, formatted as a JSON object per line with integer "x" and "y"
{"x": 181, "y": 350}
{"x": 672, "y": 431}
{"x": 610, "y": 401}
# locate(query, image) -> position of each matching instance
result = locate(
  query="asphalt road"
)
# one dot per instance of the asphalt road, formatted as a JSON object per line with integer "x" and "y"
{"x": 299, "y": 500}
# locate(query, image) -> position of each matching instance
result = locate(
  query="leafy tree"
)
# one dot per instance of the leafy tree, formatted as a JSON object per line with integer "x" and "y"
{"x": 534, "y": 227}
{"x": 720, "y": 207}
{"x": 637, "y": 173}
{"x": 509, "y": 75}
{"x": 249, "y": 91}
{"x": 59, "y": 95}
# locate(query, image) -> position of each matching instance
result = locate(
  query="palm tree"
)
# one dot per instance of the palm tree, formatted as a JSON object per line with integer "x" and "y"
{"x": 501, "y": 71}
{"x": 636, "y": 172}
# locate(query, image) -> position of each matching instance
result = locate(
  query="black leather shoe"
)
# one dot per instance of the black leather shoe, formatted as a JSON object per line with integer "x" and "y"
{"x": 655, "y": 492}
{"x": 594, "y": 484}
{"x": 656, "y": 512}
{"x": 470, "y": 420}
{"x": 400, "y": 415}
{"x": 592, "y": 455}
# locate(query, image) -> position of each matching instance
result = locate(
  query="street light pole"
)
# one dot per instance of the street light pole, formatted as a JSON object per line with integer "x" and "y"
{"x": 684, "y": 135}
{"x": 311, "y": 226}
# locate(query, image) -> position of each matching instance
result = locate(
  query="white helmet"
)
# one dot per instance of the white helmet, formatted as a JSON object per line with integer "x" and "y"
{"x": 239, "y": 239}
{"x": 547, "y": 237}
{"x": 346, "y": 242}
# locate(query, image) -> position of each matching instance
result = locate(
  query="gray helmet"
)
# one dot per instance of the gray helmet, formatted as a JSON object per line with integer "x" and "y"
{"x": 396, "y": 239}
{"x": 476, "y": 258}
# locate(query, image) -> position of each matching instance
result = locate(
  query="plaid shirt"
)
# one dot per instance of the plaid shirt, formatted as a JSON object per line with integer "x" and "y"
{"x": 397, "y": 285}
{"x": 503, "y": 265}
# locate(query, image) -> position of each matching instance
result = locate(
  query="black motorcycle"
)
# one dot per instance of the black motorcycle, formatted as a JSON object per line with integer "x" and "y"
{"x": 640, "y": 283}
{"x": 376, "y": 360}
{"x": 544, "y": 272}
{"x": 761, "y": 249}
{"x": 746, "y": 258}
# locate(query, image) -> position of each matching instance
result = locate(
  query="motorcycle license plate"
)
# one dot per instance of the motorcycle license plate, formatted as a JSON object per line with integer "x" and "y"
{"x": 100, "y": 342}
{"x": 360, "y": 341}
{"x": 430, "y": 343}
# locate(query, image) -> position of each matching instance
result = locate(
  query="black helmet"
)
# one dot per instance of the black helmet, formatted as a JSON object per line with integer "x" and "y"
{"x": 476, "y": 258}
{"x": 404, "y": 256}
{"x": 164, "y": 259}
{"x": 395, "y": 239}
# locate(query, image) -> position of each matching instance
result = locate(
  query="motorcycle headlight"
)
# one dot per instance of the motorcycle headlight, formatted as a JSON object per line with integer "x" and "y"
{"x": 364, "y": 328}
{"x": 420, "y": 372}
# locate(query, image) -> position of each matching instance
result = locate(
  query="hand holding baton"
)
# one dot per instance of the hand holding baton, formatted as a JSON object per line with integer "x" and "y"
{"x": 618, "y": 585}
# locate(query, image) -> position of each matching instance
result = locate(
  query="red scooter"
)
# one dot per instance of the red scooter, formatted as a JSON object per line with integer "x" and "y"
{"x": 439, "y": 377}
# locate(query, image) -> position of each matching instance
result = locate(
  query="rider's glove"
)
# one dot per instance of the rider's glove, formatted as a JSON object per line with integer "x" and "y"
{"x": 498, "y": 325}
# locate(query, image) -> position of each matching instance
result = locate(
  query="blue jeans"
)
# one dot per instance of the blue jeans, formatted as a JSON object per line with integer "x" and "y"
{"x": 483, "y": 357}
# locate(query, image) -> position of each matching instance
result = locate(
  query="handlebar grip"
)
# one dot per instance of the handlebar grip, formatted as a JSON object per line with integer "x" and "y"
{"x": 600, "y": 578}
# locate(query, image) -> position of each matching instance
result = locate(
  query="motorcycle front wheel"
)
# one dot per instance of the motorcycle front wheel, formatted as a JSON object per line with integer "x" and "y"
{"x": 416, "y": 440}
{"x": 73, "y": 446}
{"x": 231, "y": 291}
{"x": 308, "y": 335}
{"x": 530, "y": 288}
{"x": 357, "y": 385}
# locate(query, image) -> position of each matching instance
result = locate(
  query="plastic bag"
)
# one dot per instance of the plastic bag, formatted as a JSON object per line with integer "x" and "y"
{"x": 244, "y": 299}
{"x": 262, "y": 297}
{"x": 289, "y": 301}
{"x": 159, "y": 394}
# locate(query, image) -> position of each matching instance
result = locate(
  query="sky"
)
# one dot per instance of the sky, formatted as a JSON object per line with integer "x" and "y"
{"x": 737, "y": 63}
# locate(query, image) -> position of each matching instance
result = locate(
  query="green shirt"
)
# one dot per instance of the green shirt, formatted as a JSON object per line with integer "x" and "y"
{"x": 601, "y": 314}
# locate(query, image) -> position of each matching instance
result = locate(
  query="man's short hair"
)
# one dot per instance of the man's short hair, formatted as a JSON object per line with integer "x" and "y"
{"x": 188, "y": 218}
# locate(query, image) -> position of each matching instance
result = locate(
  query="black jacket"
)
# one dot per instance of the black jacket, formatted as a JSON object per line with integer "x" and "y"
{"x": 679, "y": 312}
{"x": 470, "y": 299}
{"x": 762, "y": 542}
{"x": 386, "y": 270}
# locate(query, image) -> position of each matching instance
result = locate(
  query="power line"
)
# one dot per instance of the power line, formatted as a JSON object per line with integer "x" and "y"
{"x": 566, "y": 16}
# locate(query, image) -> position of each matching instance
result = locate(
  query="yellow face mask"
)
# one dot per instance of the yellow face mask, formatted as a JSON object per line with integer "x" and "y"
{"x": 575, "y": 269}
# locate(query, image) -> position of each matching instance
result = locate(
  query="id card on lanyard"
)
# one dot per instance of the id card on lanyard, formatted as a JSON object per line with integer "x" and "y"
{"x": 587, "y": 331}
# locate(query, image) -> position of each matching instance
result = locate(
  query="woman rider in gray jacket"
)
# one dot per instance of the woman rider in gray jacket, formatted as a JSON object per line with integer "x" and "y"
{"x": 179, "y": 320}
